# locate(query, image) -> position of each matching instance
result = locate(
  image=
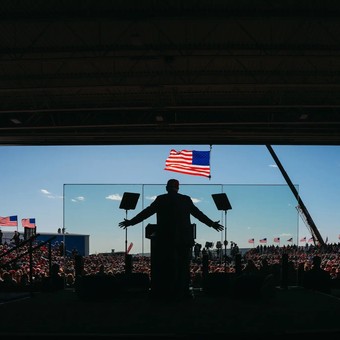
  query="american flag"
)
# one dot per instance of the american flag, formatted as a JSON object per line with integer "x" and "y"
{"x": 276, "y": 239}
{"x": 189, "y": 162}
{"x": 28, "y": 222}
{"x": 303, "y": 239}
{"x": 251, "y": 240}
{"x": 9, "y": 221}
{"x": 290, "y": 239}
{"x": 311, "y": 239}
{"x": 263, "y": 240}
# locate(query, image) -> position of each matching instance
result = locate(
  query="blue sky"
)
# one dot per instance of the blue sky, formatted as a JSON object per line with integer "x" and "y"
{"x": 34, "y": 180}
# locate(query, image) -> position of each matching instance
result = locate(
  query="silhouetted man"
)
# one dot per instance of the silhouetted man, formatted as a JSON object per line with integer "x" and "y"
{"x": 317, "y": 278}
{"x": 16, "y": 238}
{"x": 173, "y": 240}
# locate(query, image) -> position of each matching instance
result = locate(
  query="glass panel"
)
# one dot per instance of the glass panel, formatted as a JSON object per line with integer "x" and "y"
{"x": 258, "y": 212}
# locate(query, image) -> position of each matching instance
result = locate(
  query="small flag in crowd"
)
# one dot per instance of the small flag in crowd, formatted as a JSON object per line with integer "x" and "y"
{"x": 290, "y": 239}
{"x": 263, "y": 240}
{"x": 9, "y": 221}
{"x": 187, "y": 162}
{"x": 276, "y": 239}
{"x": 251, "y": 240}
{"x": 311, "y": 239}
{"x": 28, "y": 222}
{"x": 129, "y": 248}
{"x": 303, "y": 239}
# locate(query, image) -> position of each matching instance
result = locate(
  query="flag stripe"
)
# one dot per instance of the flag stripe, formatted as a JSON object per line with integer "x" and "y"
{"x": 9, "y": 221}
{"x": 28, "y": 222}
{"x": 189, "y": 162}
{"x": 188, "y": 170}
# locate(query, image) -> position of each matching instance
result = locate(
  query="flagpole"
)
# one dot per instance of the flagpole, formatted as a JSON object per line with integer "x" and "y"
{"x": 210, "y": 161}
{"x": 126, "y": 238}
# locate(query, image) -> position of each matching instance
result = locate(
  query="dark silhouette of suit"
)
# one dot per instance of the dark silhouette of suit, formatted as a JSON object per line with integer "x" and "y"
{"x": 173, "y": 240}
{"x": 317, "y": 278}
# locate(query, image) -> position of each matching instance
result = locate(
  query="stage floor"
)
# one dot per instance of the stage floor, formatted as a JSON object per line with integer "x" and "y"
{"x": 63, "y": 313}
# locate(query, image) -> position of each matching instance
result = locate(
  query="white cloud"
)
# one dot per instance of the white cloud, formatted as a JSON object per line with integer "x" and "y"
{"x": 285, "y": 235}
{"x": 78, "y": 199}
{"x": 272, "y": 165}
{"x": 114, "y": 197}
{"x": 48, "y": 194}
{"x": 151, "y": 198}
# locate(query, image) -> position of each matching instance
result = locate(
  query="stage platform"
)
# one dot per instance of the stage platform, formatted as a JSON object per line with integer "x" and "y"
{"x": 287, "y": 312}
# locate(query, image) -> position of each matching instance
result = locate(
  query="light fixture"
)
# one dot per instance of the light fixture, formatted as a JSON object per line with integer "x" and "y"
{"x": 15, "y": 121}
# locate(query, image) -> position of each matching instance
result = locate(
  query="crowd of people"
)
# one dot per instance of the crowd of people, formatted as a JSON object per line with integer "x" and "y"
{"x": 19, "y": 269}
{"x": 177, "y": 262}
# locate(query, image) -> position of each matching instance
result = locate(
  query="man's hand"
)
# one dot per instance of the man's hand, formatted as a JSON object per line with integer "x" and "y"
{"x": 124, "y": 224}
{"x": 217, "y": 226}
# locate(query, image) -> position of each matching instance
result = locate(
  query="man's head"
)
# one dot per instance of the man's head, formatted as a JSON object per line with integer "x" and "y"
{"x": 316, "y": 261}
{"x": 172, "y": 185}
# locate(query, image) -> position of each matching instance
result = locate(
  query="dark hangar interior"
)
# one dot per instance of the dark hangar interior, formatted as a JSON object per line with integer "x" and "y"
{"x": 169, "y": 72}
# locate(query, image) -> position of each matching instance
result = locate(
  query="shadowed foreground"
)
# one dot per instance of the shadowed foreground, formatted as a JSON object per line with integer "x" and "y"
{"x": 133, "y": 315}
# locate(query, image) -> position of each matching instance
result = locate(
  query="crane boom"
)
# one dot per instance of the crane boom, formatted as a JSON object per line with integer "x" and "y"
{"x": 301, "y": 206}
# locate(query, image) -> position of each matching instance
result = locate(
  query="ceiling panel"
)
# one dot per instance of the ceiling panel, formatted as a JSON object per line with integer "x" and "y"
{"x": 151, "y": 72}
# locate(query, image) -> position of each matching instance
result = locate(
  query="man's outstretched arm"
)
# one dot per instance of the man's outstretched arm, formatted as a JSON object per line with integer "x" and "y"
{"x": 217, "y": 226}
{"x": 124, "y": 224}
{"x": 205, "y": 219}
{"x": 147, "y": 212}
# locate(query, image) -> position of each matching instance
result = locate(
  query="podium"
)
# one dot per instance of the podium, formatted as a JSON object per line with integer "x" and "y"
{"x": 151, "y": 231}
{"x": 159, "y": 261}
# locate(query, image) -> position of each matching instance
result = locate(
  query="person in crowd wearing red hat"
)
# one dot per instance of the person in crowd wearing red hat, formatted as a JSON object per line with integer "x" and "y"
{"x": 173, "y": 240}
